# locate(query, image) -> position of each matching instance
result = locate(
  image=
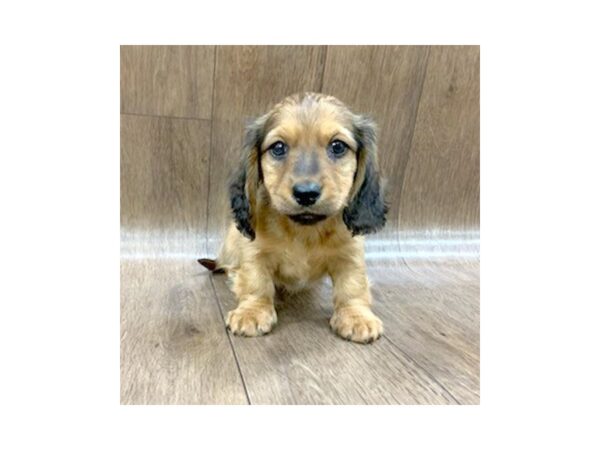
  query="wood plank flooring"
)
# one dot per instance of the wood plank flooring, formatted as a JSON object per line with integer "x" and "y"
{"x": 175, "y": 348}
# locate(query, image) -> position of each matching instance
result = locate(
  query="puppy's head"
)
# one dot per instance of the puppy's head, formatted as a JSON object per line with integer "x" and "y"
{"x": 316, "y": 159}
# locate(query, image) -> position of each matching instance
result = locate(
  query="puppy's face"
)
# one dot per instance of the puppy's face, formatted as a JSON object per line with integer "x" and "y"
{"x": 315, "y": 159}
{"x": 309, "y": 158}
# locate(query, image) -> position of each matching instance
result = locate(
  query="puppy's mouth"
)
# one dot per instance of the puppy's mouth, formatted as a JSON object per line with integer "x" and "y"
{"x": 307, "y": 218}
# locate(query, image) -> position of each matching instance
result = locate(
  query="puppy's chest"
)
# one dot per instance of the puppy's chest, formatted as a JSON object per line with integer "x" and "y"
{"x": 296, "y": 267}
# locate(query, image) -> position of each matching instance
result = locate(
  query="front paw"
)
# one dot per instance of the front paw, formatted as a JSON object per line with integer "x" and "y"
{"x": 357, "y": 324}
{"x": 249, "y": 320}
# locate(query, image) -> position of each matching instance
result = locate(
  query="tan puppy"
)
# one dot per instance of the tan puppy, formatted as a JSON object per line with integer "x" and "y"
{"x": 308, "y": 186}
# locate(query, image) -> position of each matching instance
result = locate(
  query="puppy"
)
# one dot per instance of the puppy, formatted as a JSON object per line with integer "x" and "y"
{"x": 307, "y": 188}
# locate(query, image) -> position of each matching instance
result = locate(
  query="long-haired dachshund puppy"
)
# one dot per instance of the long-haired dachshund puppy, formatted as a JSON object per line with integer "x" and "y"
{"x": 307, "y": 188}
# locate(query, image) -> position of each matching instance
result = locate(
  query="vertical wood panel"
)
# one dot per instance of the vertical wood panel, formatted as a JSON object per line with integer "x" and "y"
{"x": 441, "y": 186}
{"x": 248, "y": 82}
{"x": 384, "y": 82}
{"x": 164, "y": 173}
{"x": 167, "y": 81}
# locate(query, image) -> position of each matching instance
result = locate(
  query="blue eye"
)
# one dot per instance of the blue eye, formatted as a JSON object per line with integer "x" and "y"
{"x": 278, "y": 150}
{"x": 338, "y": 148}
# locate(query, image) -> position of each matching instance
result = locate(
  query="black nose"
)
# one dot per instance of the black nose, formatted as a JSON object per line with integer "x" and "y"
{"x": 306, "y": 194}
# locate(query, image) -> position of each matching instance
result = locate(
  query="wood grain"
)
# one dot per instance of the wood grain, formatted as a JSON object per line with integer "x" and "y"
{"x": 248, "y": 82}
{"x": 441, "y": 186}
{"x": 164, "y": 179}
{"x": 174, "y": 349}
{"x": 431, "y": 311}
{"x": 174, "y": 81}
{"x": 384, "y": 82}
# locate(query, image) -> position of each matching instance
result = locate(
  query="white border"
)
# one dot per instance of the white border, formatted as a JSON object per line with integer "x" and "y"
{"x": 60, "y": 232}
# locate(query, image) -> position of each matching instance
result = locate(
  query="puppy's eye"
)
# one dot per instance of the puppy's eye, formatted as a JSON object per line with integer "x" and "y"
{"x": 338, "y": 148}
{"x": 278, "y": 150}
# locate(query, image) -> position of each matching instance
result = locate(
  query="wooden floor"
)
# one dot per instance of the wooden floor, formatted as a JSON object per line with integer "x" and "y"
{"x": 175, "y": 348}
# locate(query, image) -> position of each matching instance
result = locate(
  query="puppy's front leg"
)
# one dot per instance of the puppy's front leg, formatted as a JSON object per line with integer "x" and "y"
{"x": 352, "y": 317}
{"x": 255, "y": 314}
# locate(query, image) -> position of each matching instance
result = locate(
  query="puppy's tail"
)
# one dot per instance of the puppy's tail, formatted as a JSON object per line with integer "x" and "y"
{"x": 211, "y": 265}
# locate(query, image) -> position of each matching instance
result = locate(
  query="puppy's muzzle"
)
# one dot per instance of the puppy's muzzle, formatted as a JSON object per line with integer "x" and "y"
{"x": 306, "y": 194}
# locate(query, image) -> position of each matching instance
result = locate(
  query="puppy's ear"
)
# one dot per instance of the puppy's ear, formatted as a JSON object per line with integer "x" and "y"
{"x": 244, "y": 183}
{"x": 366, "y": 209}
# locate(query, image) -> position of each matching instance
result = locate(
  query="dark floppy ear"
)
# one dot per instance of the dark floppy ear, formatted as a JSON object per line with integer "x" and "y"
{"x": 366, "y": 209}
{"x": 244, "y": 183}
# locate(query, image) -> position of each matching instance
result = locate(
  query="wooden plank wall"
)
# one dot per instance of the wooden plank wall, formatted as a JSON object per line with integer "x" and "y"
{"x": 183, "y": 111}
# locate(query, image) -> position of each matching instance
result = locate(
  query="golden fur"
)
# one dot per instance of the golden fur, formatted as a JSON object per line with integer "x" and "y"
{"x": 266, "y": 247}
